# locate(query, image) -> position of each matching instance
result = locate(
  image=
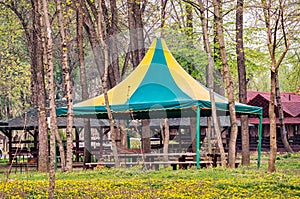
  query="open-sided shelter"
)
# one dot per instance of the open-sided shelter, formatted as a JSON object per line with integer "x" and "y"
{"x": 25, "y": 144}
{"x": 159, "y": 87}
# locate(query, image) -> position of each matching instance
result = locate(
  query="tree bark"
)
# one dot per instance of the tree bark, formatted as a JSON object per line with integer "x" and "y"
{"x": 146, "y": 135}
{"x": 275, "y": 15}
{"x": 218, "y": 76}
{"x": 33, "y": 33}
{"x": 193, "y": 132}
{"x": 37, "y": 64}
{"x": 166, "y": 141}
{"x": 68, "y": 87}
{"x": 50, "y": 74}
{"x": 140, "y": 6}
{"x": 104, "y": 83}
{"x": 84, "y": 20}
{"x": 283, "y": 132}
{"x": 93, "y": 36}
{"x": 272, "y": 116}
{"x": 132, "y": 33}
{"x": 163, "y": 4}
{"x": 83, "y": 81}
{"x": 210, "y": 83}
{"x": 242, "y": 81}
{"x": 113, "y": 43}
{"x": 229, "y": 88}
{"x": 136, "y": 28}
{"x": 60, "y": 148}
{"x": 45, "y": 42}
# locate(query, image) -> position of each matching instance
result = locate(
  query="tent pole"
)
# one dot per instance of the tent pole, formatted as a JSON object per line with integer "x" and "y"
{"x": 198, "y": 138}
{"x": 259, "y": 141}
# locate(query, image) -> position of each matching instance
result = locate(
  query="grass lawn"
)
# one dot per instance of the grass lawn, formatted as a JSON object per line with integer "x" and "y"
{"x": 165, "y": 183}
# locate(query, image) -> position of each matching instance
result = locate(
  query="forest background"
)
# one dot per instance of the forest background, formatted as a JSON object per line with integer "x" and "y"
{"x": 182, "y": 31}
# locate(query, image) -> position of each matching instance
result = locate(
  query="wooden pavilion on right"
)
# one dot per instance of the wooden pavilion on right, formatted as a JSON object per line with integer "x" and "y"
{"x": 291, "y": 109}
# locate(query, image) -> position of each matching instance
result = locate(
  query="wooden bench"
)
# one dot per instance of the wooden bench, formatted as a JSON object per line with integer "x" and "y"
{"x": 182, "y": 165}
{"x": 151, "y": 159}
{"x": 190, "y": 160}
{"x": 148, "y": 164}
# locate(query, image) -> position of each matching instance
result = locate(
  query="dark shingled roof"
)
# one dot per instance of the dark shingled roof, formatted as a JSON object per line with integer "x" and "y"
{"x": 29, "y": 120}
{"x": 290, "y": 103}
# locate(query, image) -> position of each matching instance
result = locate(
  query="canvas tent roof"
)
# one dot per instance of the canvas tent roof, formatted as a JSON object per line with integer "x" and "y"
{"x": 158, "y": 87}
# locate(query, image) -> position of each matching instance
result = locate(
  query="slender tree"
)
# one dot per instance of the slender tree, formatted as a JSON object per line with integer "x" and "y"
{"x": 163, "y": 16}
{"x": 37, "y": 60}
{"x": 136, "y": 29}
{"x": 83, "y": 79}
{"x": 166, "y": 139}
{"x": 275, "y": 22}
{"x": 50, "y": 79}
{"x": 68, "y": 86}
{"x": 283, "y": 132}
{"x": 38, "y": 93}
{"x": 229, "y": 87}
{"x": 209, "y": 79}
{"x": 104, "y": 83}
{"x": 112, "y": 30}
{"x": 242, "y": 81}
{"x": 137, "y": 50}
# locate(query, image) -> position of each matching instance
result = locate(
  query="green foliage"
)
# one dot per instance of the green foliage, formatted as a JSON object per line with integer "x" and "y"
{"x": 14, "y": 66}
{"x": 188, "y": 52}
{"x": 257, "y": 66}
{"x": 289, "y": 72}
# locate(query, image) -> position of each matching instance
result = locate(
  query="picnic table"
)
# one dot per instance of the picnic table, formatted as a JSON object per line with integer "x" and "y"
{"x": 152, "y": 160}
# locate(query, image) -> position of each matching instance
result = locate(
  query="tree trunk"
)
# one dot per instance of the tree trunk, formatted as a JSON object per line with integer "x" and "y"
{"x": 229, "y": 88}
{"x": 46, "y": 49}
{"x": 132, "y": 33}
{"x": 139, "y": 9}
{"x": 217, "y": 73}
{"x": 281, "y": 118}
{"x": 146, "y": 135}
{"x": 104, "y": 83}
{"x": 242, "y": 81}
{"x": 37, "y": 60}
{"x": 123, "y": 132}
{"x": 81, "y": 15}
{"x": 61, "y": 149}
{"x": 272, "y": 116}
{"x": 68, "y": 89}
{"x": 87, "y": 142}
{"x": 83, "y": 81}
{"x": 193, "y": 132}
{"x": 209, "y": 82}
{"x": 163, "y": 4}
{"x": 50, "y": 74}
{"x": 166, "y": 141}
{"x": 278, "y": 19}
{"x": 113, "y": 43}
{"x": 135, "y": 24}
{"x": 93, "y": 36}
{"x": 34, "y": 50}
{"x": 189, "y": 31}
